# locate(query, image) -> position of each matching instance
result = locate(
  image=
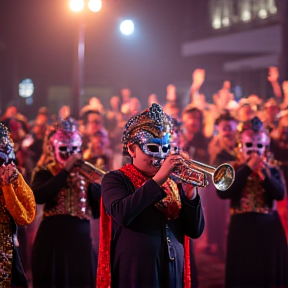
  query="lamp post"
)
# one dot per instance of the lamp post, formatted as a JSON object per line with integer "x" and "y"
{"x": 78, "y": 6}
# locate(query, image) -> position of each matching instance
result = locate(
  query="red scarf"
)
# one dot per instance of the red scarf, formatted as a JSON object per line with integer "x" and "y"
{"x": 170, "y": 206}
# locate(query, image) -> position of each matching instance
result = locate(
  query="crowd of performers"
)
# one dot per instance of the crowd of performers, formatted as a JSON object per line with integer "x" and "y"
{"x": 133, "y": 224}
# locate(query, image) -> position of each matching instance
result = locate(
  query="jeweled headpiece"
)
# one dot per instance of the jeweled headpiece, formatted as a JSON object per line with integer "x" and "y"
{"x": 151, "y": 123}
{"x": 254, "y": 124}
{"x": 6, "y": 145}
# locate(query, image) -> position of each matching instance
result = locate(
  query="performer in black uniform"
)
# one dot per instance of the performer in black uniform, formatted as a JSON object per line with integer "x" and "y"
{"x": 150, "y": 216}
{"x": 256, "y": 245}
{"x": 62, "y": 252}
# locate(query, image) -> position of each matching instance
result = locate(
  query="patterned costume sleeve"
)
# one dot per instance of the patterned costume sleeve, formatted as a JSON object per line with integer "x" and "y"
{"x": 20, "y": 201}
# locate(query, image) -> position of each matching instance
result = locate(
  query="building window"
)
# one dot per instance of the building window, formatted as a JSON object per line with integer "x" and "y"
{"x": 225, "y": 13}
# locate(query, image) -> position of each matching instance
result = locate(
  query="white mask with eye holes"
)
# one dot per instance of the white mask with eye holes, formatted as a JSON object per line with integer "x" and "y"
{"x": 65, "y": 144}
{"x": 254, "y": 142}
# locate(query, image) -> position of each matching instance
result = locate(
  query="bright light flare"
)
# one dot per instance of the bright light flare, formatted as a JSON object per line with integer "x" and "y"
{"x": 76, "y": 5}
{"x": 95, "y": 5}
{"x": 262, "y": 14}
{"x": 246, "y": 16}
{"x": 127, "y": 27}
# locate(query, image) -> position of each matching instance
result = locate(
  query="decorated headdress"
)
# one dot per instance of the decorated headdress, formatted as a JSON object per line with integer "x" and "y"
{"x": 6, "y": 145}
{"x": 253, "y": 137}
{"x": 150, "y": 123}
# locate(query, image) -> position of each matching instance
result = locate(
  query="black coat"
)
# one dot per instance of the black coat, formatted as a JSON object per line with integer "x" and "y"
{"x": 257, "y": 253}
{"x": 63, "y": 255}
{"x": 143, "y": 242}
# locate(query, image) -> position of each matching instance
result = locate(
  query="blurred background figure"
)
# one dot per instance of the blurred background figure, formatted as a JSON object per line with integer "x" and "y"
{"x": 193, "y": 141}
{"x": 98, "y": 152}
{"x": 222, "y": 149}
{"x": 172, "y": 110}
{"x": 279, "y": 150}
{"x": 43, "y": 113}
{"x": 114, "y": 123}
{"x": 284, "y": 104}
{"x": 245, "y": 111}
{"x": 125, "y": 94}
{"x": 92, "y": 122}
{"x": 94, "y": 104}
{"x": 171, "y": 99}
{"x": 198, "y": 78}
{"x": 255, "y": 102}
{"x": 152, "y": 98}
{"x": 271, "y": 110}
{"x": 135, "y": 106}
{"x": 210, "y": 111}
{"x": 224, "y": 96}
{"x": 32, "y": 145}
{"x": 64, "y": 112}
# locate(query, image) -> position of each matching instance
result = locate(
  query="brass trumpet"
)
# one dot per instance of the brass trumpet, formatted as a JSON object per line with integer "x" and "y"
{"x": 195, "y": 173}
{"x": 89, "y": 171}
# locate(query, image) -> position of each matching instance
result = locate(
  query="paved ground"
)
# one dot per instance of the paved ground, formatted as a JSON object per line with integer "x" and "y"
{"x": 210, "y": 268}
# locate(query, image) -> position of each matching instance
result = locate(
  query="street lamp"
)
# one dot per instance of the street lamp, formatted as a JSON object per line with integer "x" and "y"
{"x": 78, "y": 6}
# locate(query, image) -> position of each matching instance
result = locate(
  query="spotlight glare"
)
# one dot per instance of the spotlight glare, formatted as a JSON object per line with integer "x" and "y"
{"x": 76, "y": 5}
{"x": 246, "y": 16}
{"x": 127, "y": 27}
{"x": 262, "y": 14}
{"x": 95, "y": 5}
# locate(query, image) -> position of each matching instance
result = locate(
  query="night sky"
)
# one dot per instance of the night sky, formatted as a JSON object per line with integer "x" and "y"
{"x": 38, "y": 40}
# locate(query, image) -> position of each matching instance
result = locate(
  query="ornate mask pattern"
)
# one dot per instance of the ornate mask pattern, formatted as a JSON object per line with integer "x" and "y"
{"x": 7, "y": 154}
{"x": 253, "y": 137}
{"x": 66, "y": 140}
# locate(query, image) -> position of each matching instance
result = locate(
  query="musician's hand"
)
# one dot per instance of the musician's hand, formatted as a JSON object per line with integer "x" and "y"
{"x": 273, "y": 74}
{"x": 255, "y": 162}
{"x": 166, "y": 168}
{"x": 71, "y": 161}
{"x": 264, "y": 172}
{"x": 8, "y": 173}
{"x": 190, "y": 191}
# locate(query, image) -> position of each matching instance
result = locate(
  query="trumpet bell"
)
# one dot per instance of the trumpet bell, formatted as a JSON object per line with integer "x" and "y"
{"x": 223, "y": 176}
{"x": 195, "y": 173}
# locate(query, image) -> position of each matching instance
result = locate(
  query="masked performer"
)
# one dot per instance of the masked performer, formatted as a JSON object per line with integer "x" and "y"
{"x": 17, "y": 207}
{"x": 150, "y": 215}
{"x": 256, "y": 244}
{"x": 62, "y": 253}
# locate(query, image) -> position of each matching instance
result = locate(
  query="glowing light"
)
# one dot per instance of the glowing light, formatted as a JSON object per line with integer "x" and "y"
{"x": 216, "y": 24}
{"x": 246, "y": 16}
{"x": 262, "y": 14}
{"x": 76, "y": 5}
{"x": 26, "y": 88}
{"x": 273, "y": 10}
{"x": 225, "y": 21}
{"x": 127, "y": 27}
{"x": 95, "y": 5}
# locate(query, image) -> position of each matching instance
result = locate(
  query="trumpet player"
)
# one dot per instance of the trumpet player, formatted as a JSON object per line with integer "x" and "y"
{"x": 146, "y": 217}
{"x": 62, "y": 253}
{"x": 256, "y": 242}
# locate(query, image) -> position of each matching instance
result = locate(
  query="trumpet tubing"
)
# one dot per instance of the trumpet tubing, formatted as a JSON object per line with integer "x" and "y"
{"x": 195, "y": 173}
{"x": 89, "y": 171}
